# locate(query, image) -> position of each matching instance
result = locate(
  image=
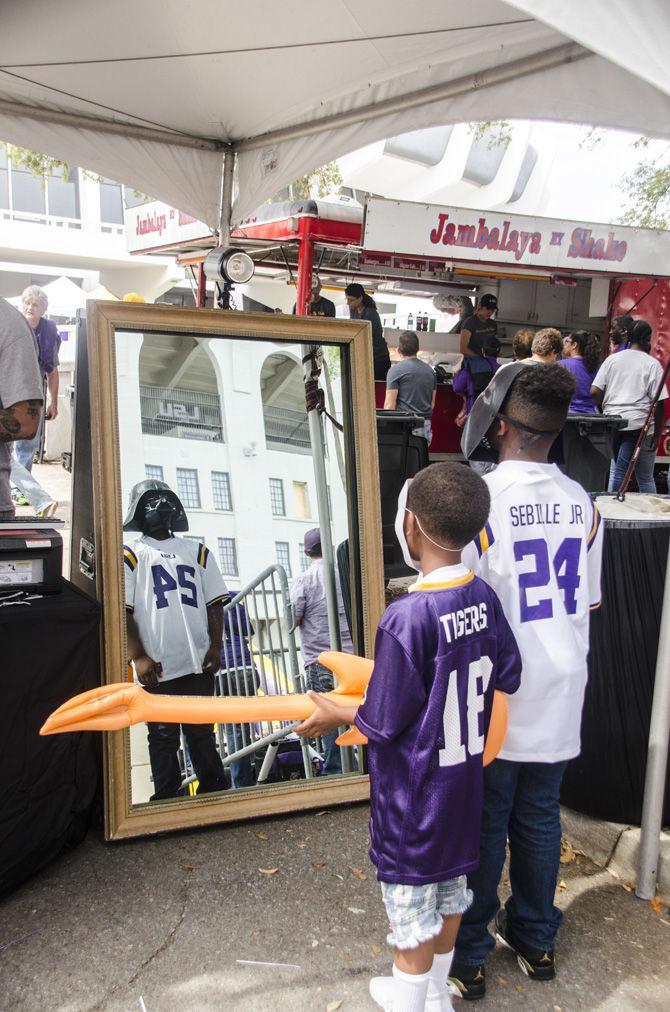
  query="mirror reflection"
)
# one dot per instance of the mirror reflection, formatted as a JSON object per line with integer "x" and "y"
{"x": 224, "y": 576}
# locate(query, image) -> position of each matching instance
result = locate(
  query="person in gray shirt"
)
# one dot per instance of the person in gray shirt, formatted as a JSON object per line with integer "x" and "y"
{"x": 411, "y": 384}
{"x": 20, "y": 393}
{"x": 308, "y": 597}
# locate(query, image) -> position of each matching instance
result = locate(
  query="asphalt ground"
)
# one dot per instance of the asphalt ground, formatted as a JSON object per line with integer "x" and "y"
{"x": 163, "y": 923}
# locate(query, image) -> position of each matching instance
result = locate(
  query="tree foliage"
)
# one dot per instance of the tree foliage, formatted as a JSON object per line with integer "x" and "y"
{"x": 38, "y": 164}
{"x": 319, "y": 183}
{"x": 647, "y": 189}
{"x": 496, "y": 132}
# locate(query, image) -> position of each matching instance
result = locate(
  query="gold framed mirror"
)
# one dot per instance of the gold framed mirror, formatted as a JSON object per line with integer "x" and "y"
{"x": 213, "y": 403}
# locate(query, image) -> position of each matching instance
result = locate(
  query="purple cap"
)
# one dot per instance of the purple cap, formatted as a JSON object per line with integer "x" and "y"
{"x": 312, "y": 540}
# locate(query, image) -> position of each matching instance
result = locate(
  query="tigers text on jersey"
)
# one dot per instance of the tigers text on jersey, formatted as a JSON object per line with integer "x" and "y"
{"x": 541, "y": 552}
{"x": 168, "y": 587}
{"x": 439, "y": 654}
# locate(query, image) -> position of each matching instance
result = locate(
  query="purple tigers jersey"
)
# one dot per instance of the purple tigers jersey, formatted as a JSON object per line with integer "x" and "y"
{"x": 439, "y": 654}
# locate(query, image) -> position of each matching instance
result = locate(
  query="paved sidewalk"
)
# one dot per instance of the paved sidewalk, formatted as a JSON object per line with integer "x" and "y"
{"x": 167, "y": 918}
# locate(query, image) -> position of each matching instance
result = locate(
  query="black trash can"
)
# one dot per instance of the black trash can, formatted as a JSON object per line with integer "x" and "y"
{"x": 401, "y": 456}
{"x": 606, "y": 781}
{"x": 585, "y": 449}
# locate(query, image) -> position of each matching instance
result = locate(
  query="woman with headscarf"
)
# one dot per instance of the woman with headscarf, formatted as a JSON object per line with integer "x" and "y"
{"x": 363, "y": 307}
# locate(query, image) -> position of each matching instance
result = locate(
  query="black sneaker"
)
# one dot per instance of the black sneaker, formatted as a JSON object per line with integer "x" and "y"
{"x": 538, "y": 964}
{"x": 469, "y": 980}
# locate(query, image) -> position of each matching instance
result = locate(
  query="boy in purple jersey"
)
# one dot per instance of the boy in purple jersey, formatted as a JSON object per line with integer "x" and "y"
{"x": 439, "y": 654}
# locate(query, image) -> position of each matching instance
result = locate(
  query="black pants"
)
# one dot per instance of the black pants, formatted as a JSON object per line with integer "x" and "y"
{"x": 164, "y": 743}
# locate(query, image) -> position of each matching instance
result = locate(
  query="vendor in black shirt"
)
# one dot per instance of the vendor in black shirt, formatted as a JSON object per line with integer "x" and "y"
{"x": 318, "y": 305}
{"x": 478, "y": 329}
{"x": 363, "y": 307}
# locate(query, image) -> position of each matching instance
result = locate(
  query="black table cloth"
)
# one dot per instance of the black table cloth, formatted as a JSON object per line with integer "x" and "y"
{"x": 49, "y": 787}
{"x": 607, "y": 780}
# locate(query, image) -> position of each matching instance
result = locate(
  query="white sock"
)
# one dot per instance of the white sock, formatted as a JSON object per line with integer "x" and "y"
{"x": 439, "y": 972}
{"x": 437, "y": 999}
{"x": 403, "y": 992}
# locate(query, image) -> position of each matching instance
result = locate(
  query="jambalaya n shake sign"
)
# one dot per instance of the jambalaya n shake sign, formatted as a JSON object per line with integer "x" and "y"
{"x": 455, "y": 233}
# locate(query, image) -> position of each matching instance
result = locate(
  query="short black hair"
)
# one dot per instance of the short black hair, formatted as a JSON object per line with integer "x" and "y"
{"x": 540, "y": 396}
{"x": 451, "y": 502}
{"x": 408, "y": 343}
{"x": 640, "y": 334}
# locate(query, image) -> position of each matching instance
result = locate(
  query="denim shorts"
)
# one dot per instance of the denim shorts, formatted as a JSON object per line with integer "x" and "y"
{"x": 415, "y": 912}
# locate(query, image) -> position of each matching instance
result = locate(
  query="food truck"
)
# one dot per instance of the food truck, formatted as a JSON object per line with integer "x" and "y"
{"x": 572, "y": 275}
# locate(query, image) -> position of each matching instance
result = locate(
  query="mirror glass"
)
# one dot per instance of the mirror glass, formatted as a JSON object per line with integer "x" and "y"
{"x": 222, "y": 422}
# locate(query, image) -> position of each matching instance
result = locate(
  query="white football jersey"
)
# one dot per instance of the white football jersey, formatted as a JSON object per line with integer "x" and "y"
{"x": 168, "y": 587}
{"x": 541, "y": 552}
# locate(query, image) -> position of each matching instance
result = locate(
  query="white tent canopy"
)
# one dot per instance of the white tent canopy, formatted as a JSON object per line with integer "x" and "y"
{"x": 65, "y": 298}
{"x": 152, "y": 93}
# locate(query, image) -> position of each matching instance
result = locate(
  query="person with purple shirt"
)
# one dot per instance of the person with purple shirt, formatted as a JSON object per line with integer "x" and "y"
{"x": 440, "y": 652}
{"x": 581, "y": 357}
{"x": 27, "y": 489}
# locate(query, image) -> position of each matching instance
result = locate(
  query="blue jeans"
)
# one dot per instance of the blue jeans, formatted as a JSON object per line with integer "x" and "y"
{"x": 242, "y": 770}
{"x": 320, "y": 679}
{"x": 624, "y": 444}
{"x": 520, "y": 802}
{"x": 24, "y": 449}
{"x": 25, "y": 481}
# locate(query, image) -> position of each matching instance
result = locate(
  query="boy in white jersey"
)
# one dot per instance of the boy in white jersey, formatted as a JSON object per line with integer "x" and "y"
{"x": 541, "y": 552}
{"x": 174, "y": 621}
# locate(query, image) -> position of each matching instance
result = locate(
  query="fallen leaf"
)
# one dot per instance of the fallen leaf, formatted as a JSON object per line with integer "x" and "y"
{"x": 561, "y": 887}
{"x": 355, "y": 910}
{"x": 301, "y": 845}
{"x": 344, "y": 956}
{"x": 188, "y": 867}
{"x": 333, "y": 1006}
{"x": 376, "y": 950}
{"x": 319, "y": 864}
{"x": 357, "y": 873}
{"x": 341, "y": 877}
{"x": 501, "y": 980}
{"x": 656, "y": 905}
{"x": 268, "y": 871}
{"x": 567, "y": 852}
{"x": 261, "y": 836}
{"x": 517, "y": 987}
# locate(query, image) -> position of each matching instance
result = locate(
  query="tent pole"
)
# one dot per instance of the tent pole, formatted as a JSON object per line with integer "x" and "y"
{"x": 226, "y": 199}
{"x": 657, "y": 757}
{"x": 316, "y": 437}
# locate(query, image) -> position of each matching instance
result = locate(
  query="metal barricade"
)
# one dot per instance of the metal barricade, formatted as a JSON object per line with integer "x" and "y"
{"x": 259, "y": 657}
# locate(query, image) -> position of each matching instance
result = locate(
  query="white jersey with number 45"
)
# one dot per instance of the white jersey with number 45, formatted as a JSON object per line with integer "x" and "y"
{"x": 169, "y": 585}
{"x": 541, "y": 552}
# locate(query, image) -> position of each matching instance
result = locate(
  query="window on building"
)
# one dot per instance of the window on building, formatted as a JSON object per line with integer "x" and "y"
{"x": 28, "y": 191}
{"x": 283, "y": 555}
{"x": 221, "y": 494}
{"x": 179, "y": 394}
{"x": 228, "y": 556}
{"x": 188, "y": 489}
{"x": 304, "y": 559}
{"x": 4, "y": 178}
{"x": 301, "y": 500}
{"x": 63, "y": 194}
{"x": 194, "y": 537}
{"x": 111, "y": 202}
{"x": 277, "y": 497}
{"x": 154, "y": 471}
{"x": 284, "y": 414}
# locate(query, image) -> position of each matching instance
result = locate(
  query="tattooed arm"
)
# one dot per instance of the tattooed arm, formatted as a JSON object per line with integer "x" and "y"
{"x": 19, "y": 421}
